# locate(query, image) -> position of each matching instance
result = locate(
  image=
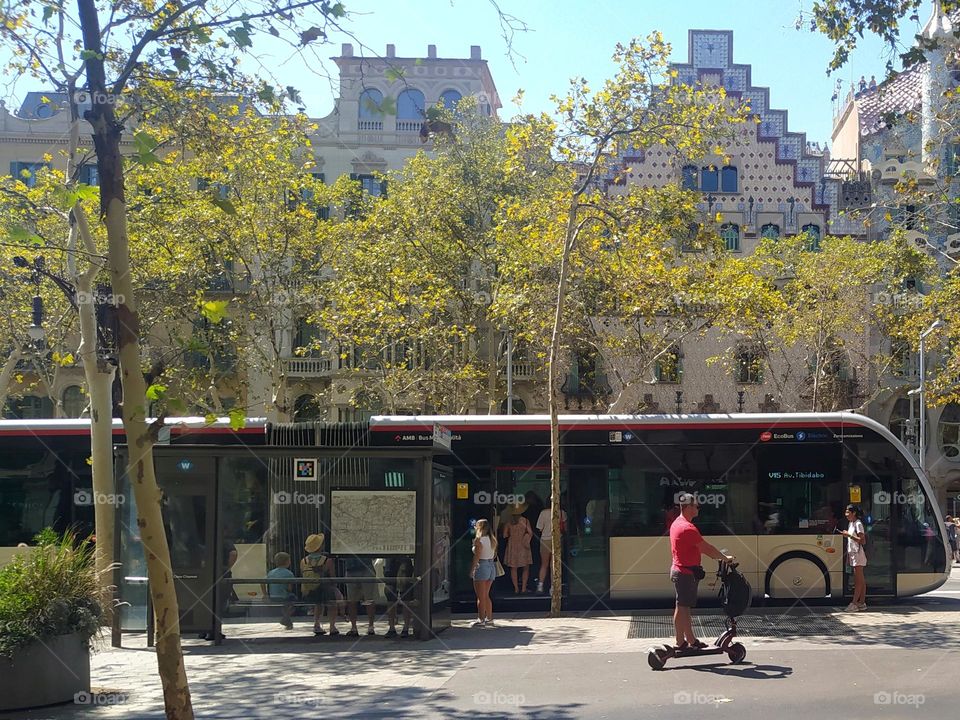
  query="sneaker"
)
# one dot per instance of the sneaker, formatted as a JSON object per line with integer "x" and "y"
{"x": 371, "y": 631}
{"x": 853, "y": 607}
{"x": 861, "y": 606}
{"x": 539, "y": 586}
{"x": 392, "y": 632}
{"x": 490, "y": 622}
{"x": 405, "y": 633}
{"x": 479, "y": 623}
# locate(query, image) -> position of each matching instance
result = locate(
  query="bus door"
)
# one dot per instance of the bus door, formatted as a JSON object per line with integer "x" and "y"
{"x": 586, "y": 542}
{"x": 873, "y": 486}
{"x": 524, "y": 489}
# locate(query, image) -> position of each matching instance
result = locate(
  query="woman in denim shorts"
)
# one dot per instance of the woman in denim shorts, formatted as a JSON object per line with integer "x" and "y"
{"x": 484, "y": 571}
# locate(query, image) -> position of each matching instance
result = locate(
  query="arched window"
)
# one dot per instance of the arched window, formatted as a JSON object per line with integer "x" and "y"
{"x": 74, "y": 401}
{"x": 371, "y": 109}
{"x": 688, "y": 177}
{"x": 770, "y": 231}
{"x": 813, "y": 234}
{"x": 950, "y": 431}
{"x": 730, "y": 232}
{"x": 450, "y": 98}
{"x": 410, "y": 110}
{"x": 306, "y": 408}
{"x": 728, "y": 179}
{"x": 709, "y": 178}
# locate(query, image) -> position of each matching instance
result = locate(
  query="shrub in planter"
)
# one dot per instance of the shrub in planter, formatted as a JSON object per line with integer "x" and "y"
{"x": 49, "y": 611}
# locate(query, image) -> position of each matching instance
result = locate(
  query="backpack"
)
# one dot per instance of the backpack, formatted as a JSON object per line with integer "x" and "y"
{"x": 735, "y": 591}
{"x": 313, "y": 568}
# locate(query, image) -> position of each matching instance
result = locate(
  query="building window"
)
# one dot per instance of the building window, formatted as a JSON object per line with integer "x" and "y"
{"x": 899, "y": 423}
{"x": 770, "y": 231}
{"x": 728, "y": 179}
{"x": 749, "y": 365}
{"x": 688, "y": 179}
{"x": 410, "y": 111}
{"x": 371, "y": 110}
{"x": 669, "y": 367}
{"x": 709, "y": 179}
{"x": 74, "y": 401}
{"x": 813, "y": 235}
{"x": 306, "y": 408}
{"x": 30, "y": 407}
{"x": 730, "y": 233}
{"x": 90, "y": 175}
{"x": 950, "y": 431}
{"x": 307, "y": 196}
{"x": 903, "y": 361}
{"x": 26, "y": 172}
{"x": 450, "y": 98}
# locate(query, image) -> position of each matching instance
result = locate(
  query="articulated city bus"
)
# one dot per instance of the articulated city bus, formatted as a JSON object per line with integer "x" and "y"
{"x": 772, "y": 491}
{"x": 45, "y": 475}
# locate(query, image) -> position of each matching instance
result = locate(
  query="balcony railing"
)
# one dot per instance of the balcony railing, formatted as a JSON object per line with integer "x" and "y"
{"x": 307, "y": 367}
{"x": 370, "y": 125}
{"x": 524, "y": 370}
{"x": 409, "y": 125}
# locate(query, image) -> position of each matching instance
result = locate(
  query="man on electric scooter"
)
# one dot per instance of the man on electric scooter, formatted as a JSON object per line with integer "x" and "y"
{"x": 686, "y": 546}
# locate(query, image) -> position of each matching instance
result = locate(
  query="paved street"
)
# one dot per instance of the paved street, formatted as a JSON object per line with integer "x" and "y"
{"x": 896, "y": 661}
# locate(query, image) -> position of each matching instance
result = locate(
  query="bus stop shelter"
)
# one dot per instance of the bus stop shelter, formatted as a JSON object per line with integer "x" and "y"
{"x": 228, "y": 510}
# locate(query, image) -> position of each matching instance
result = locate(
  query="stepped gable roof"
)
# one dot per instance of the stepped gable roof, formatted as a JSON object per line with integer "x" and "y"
{"x": 899, "y": 94}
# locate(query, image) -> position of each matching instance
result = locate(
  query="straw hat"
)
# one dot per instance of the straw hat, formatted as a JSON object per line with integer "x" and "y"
{"x": 518, "y": 509}
{"x": 314, "y": 542}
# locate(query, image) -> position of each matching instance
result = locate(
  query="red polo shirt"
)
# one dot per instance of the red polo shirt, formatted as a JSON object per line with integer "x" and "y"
{"x": 685, "y": 541}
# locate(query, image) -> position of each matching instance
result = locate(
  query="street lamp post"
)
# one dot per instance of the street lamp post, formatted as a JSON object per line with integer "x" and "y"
{"x": 922, "y": 390}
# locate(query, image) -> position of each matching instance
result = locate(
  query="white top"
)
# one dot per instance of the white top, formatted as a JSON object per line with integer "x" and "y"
{"x": 486, "y": 550}
{"x": 544, "y": 524}
{"x": 854, "y": 528}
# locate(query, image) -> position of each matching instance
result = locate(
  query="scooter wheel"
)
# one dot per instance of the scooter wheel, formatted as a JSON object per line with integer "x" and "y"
{"x": 655, "y": 660}
{"x": 737, "y": 653}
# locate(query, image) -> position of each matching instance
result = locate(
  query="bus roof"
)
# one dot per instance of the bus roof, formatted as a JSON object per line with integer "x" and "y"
{"x": 81, "y": 426}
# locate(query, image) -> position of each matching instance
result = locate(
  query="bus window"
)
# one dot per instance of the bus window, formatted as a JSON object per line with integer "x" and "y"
{"x": 801, "y": 489}
{"x": 643, "y": 494}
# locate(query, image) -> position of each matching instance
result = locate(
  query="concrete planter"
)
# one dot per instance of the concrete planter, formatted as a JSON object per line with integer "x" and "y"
{"x": 45, "y": 673}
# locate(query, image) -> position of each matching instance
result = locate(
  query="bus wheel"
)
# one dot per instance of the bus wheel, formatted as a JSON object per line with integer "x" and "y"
{"x": 797, "y": 576}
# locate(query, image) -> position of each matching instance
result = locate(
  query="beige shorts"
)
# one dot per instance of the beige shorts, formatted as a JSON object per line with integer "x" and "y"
{"x": 857, "y": 559}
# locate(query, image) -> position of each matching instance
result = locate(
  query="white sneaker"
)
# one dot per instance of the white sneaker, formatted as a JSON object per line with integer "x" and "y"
{"x": 853, "y": 607}
{"x": 479, "y": 623}
{"x": 539, "y": 586}
{"x": 489, "y": 622}
{"x": 861, "y": 606}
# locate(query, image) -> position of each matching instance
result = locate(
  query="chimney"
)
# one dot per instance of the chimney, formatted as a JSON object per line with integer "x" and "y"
{"x": 391, "y": 51}
{"x": 432, "y": 52}
{"x": 475, "y": 52}
{"x": 346, "y": 50}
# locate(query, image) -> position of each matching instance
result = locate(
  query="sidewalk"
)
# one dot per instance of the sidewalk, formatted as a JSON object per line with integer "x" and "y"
{"x": 263, "y": 671}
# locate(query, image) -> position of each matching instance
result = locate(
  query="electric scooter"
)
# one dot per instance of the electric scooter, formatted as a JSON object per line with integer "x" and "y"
{"x": 732, "y": 583}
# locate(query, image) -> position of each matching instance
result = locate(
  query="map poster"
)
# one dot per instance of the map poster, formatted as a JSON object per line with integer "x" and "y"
{"x": 373, "y": 522}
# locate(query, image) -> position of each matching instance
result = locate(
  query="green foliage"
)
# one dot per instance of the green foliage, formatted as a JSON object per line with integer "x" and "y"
{"x": 845, "y": 22}
{"x": 49, "y": 590}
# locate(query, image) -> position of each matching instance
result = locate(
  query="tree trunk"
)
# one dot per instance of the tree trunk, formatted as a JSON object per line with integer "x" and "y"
{"x": 106, "y": 137}
{"x": 6, "y": 373}
{"x": 556, "y": 540}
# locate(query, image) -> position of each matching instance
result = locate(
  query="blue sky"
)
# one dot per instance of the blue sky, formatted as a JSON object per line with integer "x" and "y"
{"x": 570, "y": 39}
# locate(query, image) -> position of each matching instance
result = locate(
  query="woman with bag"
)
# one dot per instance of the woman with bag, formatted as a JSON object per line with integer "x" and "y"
{"x": 856, "y": 557}
{"x": 317, "y": 565}
{"x": 517, "y": 533}
{"x": 483, "y": 570}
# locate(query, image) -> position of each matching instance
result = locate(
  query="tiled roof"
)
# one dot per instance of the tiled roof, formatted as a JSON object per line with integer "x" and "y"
{"x": 900, "y": 94}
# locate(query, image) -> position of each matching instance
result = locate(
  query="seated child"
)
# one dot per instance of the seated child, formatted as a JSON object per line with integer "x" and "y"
{"x": 282, "y": 591}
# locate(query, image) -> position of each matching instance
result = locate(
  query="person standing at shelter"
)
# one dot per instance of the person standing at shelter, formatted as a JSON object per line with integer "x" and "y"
{"x": 545, "y": 526}
{"x": 483, "y": 571}
{"x": 686, "y": 546}
{"x": 518, "y": 557}
{"x": 315, "y": 564}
